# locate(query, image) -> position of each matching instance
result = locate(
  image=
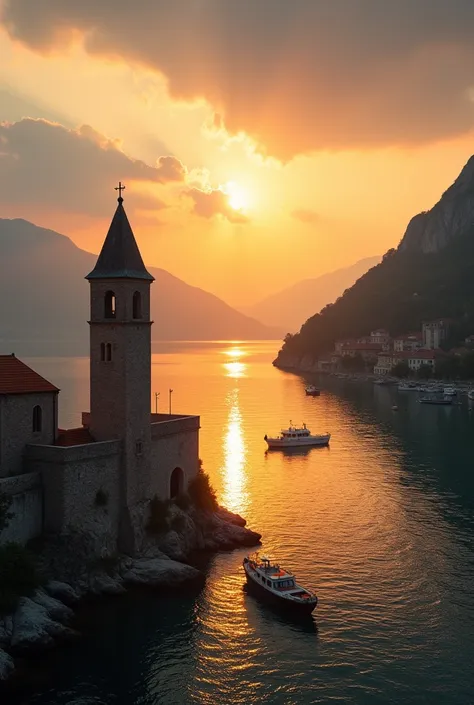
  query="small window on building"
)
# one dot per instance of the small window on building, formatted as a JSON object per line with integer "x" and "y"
{"x": 109, "y": 305}
{"x": 102, "y": 352}
{"x": 138, "y": 448}
{"x": 108, "y": 352}
{"x": 137, "y": 305}
{"x": 37, "y": 419}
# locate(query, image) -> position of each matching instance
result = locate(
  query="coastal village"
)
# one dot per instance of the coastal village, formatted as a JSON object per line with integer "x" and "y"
{"x": 417, "y": 354}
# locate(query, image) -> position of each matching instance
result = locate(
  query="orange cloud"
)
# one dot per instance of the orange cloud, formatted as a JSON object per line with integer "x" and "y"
{"x": 207, "y": 204}
{"x": 295, "y": 75}
{"x": 73, "y": 169}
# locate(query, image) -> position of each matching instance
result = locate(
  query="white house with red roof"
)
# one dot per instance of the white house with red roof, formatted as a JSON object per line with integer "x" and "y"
{"x": 122, "y": 453}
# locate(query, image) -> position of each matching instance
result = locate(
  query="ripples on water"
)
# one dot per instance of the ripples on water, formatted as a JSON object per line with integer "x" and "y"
{"x": 380, "y": 525}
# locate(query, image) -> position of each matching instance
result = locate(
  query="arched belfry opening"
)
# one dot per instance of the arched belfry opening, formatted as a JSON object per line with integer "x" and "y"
{"x": 137, "y": 305}
{"x": 109, "y": 305}
{"x": 176, "y": 482}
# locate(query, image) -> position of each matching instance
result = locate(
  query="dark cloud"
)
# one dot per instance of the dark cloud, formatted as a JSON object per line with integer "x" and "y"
{"x": 306, "y": 216}
{"x": 297, "y": 75}
{"x": 72, "y": 170}
{"x": 210, "y": 203}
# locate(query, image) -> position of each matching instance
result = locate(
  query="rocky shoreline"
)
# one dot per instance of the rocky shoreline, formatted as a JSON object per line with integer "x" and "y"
{"x": 43, "y": 619}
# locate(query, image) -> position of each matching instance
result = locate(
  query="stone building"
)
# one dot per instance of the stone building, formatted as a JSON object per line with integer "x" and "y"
{"x": 435, "y": 333}
{"x": 100, "y": 477}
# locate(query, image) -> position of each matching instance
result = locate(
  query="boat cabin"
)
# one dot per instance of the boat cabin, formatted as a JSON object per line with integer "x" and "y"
{"x": 273, "y": 576}
{"x": 293, "y": 432}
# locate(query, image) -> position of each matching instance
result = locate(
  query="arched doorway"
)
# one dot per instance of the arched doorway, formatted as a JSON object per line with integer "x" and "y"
{"x": 176, "y": 482}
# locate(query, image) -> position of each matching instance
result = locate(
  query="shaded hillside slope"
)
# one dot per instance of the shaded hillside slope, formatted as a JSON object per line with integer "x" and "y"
{"x": 292, "y": 306}
{"x": 44, "y": 298}
{"x": 410, "y": 285}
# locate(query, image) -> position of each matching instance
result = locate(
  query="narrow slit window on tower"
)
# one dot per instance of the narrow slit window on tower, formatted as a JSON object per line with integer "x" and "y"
{"x": 102, "y": 352}
{"x": 137, "y": 305}
{"x": 37, "y": 419}
{"x": 109, "y": 305}
{"x": 108, "y": 352}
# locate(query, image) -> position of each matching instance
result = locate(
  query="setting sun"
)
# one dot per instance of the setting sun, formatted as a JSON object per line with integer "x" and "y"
{"x": 237, "y": 196}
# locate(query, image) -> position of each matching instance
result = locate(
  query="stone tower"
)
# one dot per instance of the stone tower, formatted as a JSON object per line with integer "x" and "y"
{"x": 120, "y": 363}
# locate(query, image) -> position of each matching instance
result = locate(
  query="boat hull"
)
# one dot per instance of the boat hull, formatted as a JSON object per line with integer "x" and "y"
{"x": 313, "y": 393}
{"x": 301, "y": 608}
{"x": 307, "y": 442}
{"x": 437, "y": 402}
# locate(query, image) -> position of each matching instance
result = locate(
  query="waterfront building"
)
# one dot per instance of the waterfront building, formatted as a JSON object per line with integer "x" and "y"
{"x": 434, "y": 333}
{"x": 97, "y": 478}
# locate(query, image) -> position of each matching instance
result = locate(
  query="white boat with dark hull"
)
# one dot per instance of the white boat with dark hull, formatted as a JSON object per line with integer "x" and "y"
{"x": 277, "y": 585}
{"x": 450, "y": 391}
{"x": 437, "y": 400}
{"x": 293, "y": 437}
{"x": 312, "y": 391}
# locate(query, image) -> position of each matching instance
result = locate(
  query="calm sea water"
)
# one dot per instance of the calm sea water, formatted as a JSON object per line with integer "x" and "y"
{"x": 381, "y": 525}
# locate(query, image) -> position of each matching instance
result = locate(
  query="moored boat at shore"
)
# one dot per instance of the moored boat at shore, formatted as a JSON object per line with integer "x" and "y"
{"x": 440, "y": 401}
{"x": 450, "y": 391}
{"x": 312, "y": 391}
{"x": 293, "y": 437}
{"x": 408, "y": 387}
{"x": 277, "y": 585}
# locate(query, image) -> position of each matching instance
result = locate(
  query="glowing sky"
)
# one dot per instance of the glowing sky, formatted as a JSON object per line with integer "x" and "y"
{"x": 261, "y": 141}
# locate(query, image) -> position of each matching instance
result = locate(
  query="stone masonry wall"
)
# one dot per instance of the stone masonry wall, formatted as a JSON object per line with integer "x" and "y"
{"x": 16, "y": 427}
{"x": 25, "y": 492}
{"x": 72, "y": 477}
{"x": 174, "y": 443}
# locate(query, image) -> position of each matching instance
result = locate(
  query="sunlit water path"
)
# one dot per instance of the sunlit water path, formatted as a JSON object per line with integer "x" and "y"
{"x": 381, "y": 525}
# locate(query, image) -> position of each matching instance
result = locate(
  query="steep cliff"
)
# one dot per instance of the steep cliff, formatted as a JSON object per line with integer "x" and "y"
{"x": 432, "y": 230}
{"x": 429, "y": 276}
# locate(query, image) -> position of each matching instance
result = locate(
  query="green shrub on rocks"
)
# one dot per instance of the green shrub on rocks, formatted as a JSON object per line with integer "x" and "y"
{"x": 178, "y": 523}
{"x": 158, "y": 519}
{"x": 201, "y": 492}
{"x": 182, "y": 501}
{"x": 18, "y": 575}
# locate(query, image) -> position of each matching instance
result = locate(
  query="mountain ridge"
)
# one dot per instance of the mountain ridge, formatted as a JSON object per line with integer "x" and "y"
{"x": 428, "y": 276}
{"x": 44, "y": 298}
{"x": 290, "y": 307}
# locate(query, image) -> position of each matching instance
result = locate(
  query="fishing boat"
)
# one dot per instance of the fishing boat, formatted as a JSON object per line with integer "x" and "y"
{"x": 312, "y": 391}
{"x": 433, "y": 399}
{"x": 408, "y": 387}
{"x": 293, "y": 437}
{"x": 277, "y": 585}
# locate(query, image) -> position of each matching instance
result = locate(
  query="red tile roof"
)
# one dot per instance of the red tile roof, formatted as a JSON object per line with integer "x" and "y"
{"x": 74, "y": 437}
{"x": 18, "y": 378}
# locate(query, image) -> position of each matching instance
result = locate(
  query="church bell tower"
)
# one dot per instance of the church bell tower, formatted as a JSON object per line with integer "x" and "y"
{"x": 120, "y": 356}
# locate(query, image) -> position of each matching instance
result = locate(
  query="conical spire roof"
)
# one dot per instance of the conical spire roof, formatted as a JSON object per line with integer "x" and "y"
{"x": 120, "y": 257}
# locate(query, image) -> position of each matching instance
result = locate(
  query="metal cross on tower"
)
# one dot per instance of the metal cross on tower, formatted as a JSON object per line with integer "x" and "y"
{"x": 120, "y": 188}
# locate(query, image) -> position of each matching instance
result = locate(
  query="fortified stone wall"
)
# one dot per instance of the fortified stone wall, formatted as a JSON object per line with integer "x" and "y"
{"x": 174, "y": 444}
{"x": 16, "y": 427}
{"x": 26, "y": 506}
{"x": 81, "y": 488}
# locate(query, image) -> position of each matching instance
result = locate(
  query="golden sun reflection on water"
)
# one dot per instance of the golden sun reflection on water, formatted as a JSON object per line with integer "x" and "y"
{"x": 235, "y": 496}
{"x": 235, "y": 368}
